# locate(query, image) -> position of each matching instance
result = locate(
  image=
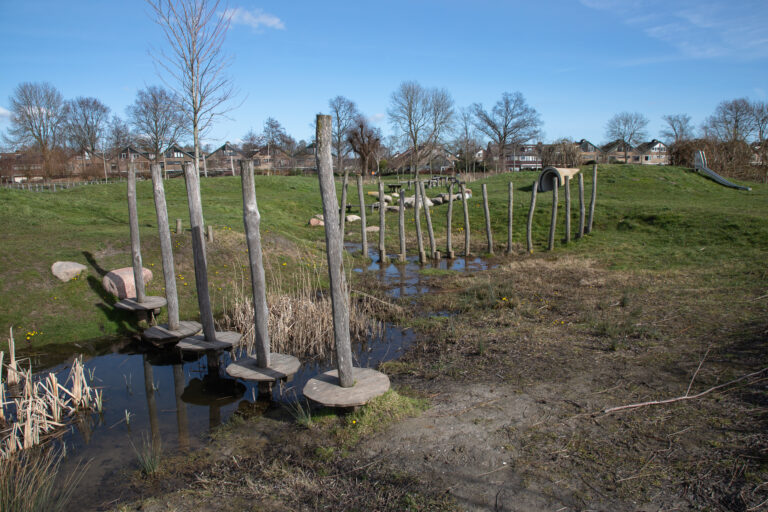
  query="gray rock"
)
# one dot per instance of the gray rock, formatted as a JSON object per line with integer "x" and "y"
{"x": 67, "y": 270}
{"x": 120, "y": 282}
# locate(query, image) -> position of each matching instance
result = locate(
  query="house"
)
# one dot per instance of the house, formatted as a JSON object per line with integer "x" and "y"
{"x": 620, "y": 151}
{"x": 590, "y": 153}
{"x": 127, "y": 156}
{"x": 224, "y": 160}
{"x": 518, "y": 157}
{"x": 654, "y": 152}
{"x": 87, "y": 164}
{"x": 174, "y": 158}
{"x": 20, "y": 166}
{"x": 271, "y": 159}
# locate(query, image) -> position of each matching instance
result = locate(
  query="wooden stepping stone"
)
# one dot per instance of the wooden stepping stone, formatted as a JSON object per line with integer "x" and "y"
{"x": 281, "y": 366}
{"x": 325, "y": 389}
{"x": 162, "y": 335}
{"x": 150, "y": 303}
{"x": 225, "y": 340}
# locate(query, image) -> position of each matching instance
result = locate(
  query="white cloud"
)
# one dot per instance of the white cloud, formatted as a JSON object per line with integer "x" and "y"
{"x": 257, "y": 19}
{"x": 4, "y": 114}
{"x": 376, "y": 118}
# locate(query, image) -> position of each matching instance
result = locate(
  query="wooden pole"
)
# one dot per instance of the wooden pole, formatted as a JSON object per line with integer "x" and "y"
{"x": 529, "y": 229}
{"x": 594, "y": 198}
{"x": 449, "y": 221}
{"x": 178, "y": 227}
{"x": 582, "y": 207}
{"x": 133, "y": 219}
{"x": 430, "y": 231}
{"x": 553, "y": 220}
{"x": 467, "y": 248}
{"x": 567, "y": 209}
{"x": 487, "y": 212}
{"x": 382, "y": 224}
{"x": 339, "y": 297}
{"x": 166, "y": 248}
{"x": 343, "y": 215}
{"x": 181, "y": 406}
{"x": 509, "y": 218}
{"x": 210, "y": 233}
{"x": 361, "y": 199}
{"x": 416, "y": 215}
{"x": 252, "y": 220}
{"x": 192, "y": 178}
{"x": 401, "y": 222}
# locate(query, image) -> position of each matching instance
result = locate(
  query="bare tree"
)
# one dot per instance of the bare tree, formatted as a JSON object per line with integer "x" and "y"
{"x": 760, "y": 120}
{"x": 86, "y": 123}
{"x": 156, "y": 117}
{"x": 466, "y": 143}
{"x": 251, "y": 142}
{"x": 511, "y": 121}
{"x": 365, "y": 142}
{"x": 678, "y": 128}
{"x": 38, "y": 114}
{"x": 118, "y": 135}
{"x": 733, "y": 121}
{"x": 195, "y": 31}
{"x": 628, "y": 127}
{"x": 561, "y": 153}
{"x": 343, "y": 114}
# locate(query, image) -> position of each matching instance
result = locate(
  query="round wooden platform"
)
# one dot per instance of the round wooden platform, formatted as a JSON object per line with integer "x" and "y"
{"x": 325, "y": 390}
{"x": 225, "y": 340}
{"x": 161, "y": 335}
{"x": 150, "y": 303}
{"x": 281, "y": 366}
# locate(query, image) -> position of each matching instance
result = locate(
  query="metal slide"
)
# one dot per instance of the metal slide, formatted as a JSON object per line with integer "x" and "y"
{"x": 700, "y": 163}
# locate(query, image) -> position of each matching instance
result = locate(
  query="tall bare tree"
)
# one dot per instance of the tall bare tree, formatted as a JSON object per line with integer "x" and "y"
{"x": 511, "y": 121}
{"x": 195, "y": 31}
{"x": 760, "y": 115}
{"x": 38, "y": 114}
{"x": 156, "y": 118}
{"x": 678, "y": 128}
{"x": 466, "y": 143}
{"x": 733, "y": 121}
{"x": 343, "y": 115}
{"x": 87, "y": 120}
{"x": 365, "y": 142}
{"x": 251, "y": 142}
{"x": 118, "y": 135}
{"x": 629, "y": 127}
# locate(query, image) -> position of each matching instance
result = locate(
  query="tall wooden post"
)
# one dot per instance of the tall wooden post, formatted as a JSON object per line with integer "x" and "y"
{"x": 428, "y": 215}
{"x": 343, "y": 215}
{"x": 467, "y": 248}
{"x": 252, "y": 220}
{"x": 382, "y": 225}
{"x": 416, "y": 217}
{"x": 192, "y": 178}
{"x": 449, "y": 221}
{"x": 567, "y": 209}
{"x": 133, "y": 219}
{"x": 401, "y": 223}
{"x": 166, "y": 248}
{"x": 509, "y": 218}
{"x": 361, "y": 199}
{"x": 178, "y": 227}
{"x": 582, "y": 206}
{"x": 594, "y": 198}
{"x": 553, "y": 220}
{"x": 210, "y": 233}
{"x": 339, "y": 297}
{"x": 529, "y": 229}
{"x": 487, "y": 212}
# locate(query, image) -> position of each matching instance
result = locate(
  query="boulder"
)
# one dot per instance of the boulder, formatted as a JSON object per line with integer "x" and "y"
{"x": 393, "y": 208}
{"x": 353, "y": 218}
{"x": 315, "y": 222}
{"x": 387, "y": 198}
{"x": 408, "y": 201}
{"x": 437, "y": 200}
{"x": 120, "y": 282}
{"x": 67, "y": 270}
{"x": 372, "y": 229}
{"x": 319, "y": 216}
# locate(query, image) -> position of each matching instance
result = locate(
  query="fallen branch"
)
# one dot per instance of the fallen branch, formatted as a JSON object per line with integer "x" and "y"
{"x": 371, "y": 297}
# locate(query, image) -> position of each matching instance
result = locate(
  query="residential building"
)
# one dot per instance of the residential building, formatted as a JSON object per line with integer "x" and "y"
{"x": 224, "y": 160}
{"x": 654, "y": 152}
{"x": 619, "y": 151}
{"x": 590, "y": 153}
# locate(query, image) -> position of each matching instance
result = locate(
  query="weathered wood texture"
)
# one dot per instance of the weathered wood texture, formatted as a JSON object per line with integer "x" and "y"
{"x": 487, "y": 213}
{"x": 222, "y": 340}
{"x": 339, "y": 292}
{"x": 382, "y": 225}
{"x": 343, "y": 216}
{"x": 166, "y": 248}
{"x": 448, "y": 225}
{"x": 368, "y": 384}
{"x": 531, "y": 210}
{"x": 160, "y": 335}
{"x": 582, "y": 206}
{"x": 198, "y": 249}
{"x": 150, "y": 303}
{"x": 181, "y": 407}
{"x": 401, "y": 225}
{"x": 133, "y": 220}
{"x": 179, "y": 229}
{"x": 210, "y": 234}
{"x": 510, "y": 204}
{"x": 417, "y": 220}
{"x": 361, "y": 200}
{"x": 428, "y": 215}
{"x": 567, "y": 209}
{"x": 594, "y": 198}
{"x": 553, "y": 219}
{"x": 467, "y": 246}
{"x": 252, "y": 221}
{"x": 281, "y": 367}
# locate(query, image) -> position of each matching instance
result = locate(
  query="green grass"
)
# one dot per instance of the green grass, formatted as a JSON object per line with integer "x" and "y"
{"x": 646, "y": 218}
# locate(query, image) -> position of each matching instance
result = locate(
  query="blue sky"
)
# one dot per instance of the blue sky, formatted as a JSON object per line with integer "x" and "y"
{"x": 576, "y": 62}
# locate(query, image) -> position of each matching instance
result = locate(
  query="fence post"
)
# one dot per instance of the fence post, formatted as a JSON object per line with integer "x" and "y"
{"x": 553, "y": 220}
{"x": 509, "y": 219}
{"x": 594, "y": 198}
{"x": 487, "y": 212}
{"x": 178, "y": 227}
{"x": 432, "y": 247}
{"x": 529, "y": 229}
{"x": 166, "y": 250}
{"x": 582, "y": 207}
{"x": 382, "y": 224}
{"x": 133, "y": 219}
{"x": 343, "y": 214}
{"x": 467, "y": 247}
{"x": 567, "y": 209}
{"x": 401, "y": 222}
{"x": 361, "y": 199}
{"x": 448, "y": 225}
{"x": 416, "y": 215}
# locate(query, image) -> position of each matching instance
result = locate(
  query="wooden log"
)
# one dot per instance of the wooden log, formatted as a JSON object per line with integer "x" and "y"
{"x": 343, "y": 216}
{"x": 428, "y": 215}
{"x": 448, "y": 225}
{"x": 192, "y": 178}
{"x": 166, "y": 248}
{"x": 339, "y": 292}
{"x": 382, "y": 225}
{"x": 582, "y": 206}
{"x": 178, "y": 227}
{"x": 509, "y": 218}
{"x": 568, "y": 209}
{"x": 210, "y": 233}
{"x": 252, "y": 221}
{"x": 133, "y": 219}
{"x": 487, "y": 212}
{"x": 553, "y": 220}
{"x": 467, "y": 247}
{"x": 417, "y": 220}
{"x": 401, "y": 223}
{"x": 594, "y": 198}
{"x": 529, "y": 229}
{"x": 361, "y": 199}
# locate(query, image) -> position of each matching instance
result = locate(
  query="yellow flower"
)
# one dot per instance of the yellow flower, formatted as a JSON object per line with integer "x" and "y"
{"x": 284, "y": 264}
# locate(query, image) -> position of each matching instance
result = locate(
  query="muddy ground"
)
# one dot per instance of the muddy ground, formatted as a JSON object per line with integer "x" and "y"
{"x": 517, "y": 365}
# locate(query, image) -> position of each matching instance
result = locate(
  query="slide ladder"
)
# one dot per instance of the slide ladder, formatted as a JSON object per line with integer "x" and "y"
{"x": 700, "y": 164}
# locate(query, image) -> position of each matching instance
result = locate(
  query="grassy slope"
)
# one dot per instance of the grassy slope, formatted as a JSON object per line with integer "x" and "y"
{"x": 650, "y": 218}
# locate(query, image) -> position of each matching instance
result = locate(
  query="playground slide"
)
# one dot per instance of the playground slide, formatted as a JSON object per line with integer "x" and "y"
{"x": 700, "y": 163}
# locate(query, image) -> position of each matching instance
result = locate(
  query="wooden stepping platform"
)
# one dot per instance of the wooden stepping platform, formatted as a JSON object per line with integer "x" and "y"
{"x": 150, "y": 303}
{"x": 225, "y": 340}
{"x": 162, "y": 335}
{"x": 281, "y": 366}
{"x": 325, "y": 390}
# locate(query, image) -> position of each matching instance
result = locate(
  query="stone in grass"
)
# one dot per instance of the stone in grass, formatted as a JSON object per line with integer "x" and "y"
{"x": 316, "y": 222}
{"x": 353, "y": 218}
{"x": 67, "y": 270}
{"x": 372, "y": 229}
{"x": 120, "y": 282}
